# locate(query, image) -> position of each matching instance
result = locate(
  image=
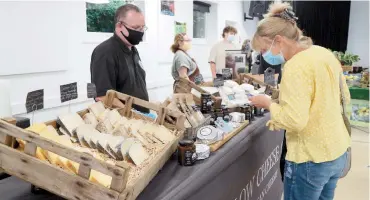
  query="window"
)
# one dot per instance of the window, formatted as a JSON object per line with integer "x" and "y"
{"x": 100, "y": 18}
{"x": 200, "y": 10}
{"x": 100, "y": 14}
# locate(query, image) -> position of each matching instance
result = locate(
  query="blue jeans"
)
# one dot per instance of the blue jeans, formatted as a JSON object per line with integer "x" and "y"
{"x": 312, "y": 181}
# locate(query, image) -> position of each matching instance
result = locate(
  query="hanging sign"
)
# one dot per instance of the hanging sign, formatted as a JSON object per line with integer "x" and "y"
{"x": 35, "y": 100}
{"x": 91, "y": 90}
{"x": 218, "y": 82}
{"x": 269, "y": 76}
{"x": 68, "y": 92}
{"x": 227, "y": 73}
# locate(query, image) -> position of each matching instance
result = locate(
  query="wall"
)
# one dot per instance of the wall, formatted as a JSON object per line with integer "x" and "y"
{"x": 358, "y": 34}
{"x": 75, "y": 54}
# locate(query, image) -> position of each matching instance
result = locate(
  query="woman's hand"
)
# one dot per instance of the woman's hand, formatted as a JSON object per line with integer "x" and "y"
{"x": 261, "y": 101}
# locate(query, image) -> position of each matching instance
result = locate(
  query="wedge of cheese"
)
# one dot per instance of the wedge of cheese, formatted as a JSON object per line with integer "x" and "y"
{"x": 36, "y": 128}
{"x": 134, "y": 126}
{"x": 120, "y": 130}
{"x": 97, "y": 108}
{"x": 100, "y": 178}
{"x": 114, "y": 116}
{"x": 103, "y": 116}
{"x": 89, "y": 118}
{"x": 70, "y": 122}
{"x": 122, "y": 121}
{"x": 84, "y": 133}
{"x": 104, "y": 126}
{"x": 126, "y": 145}
{"x": 138, "y": 154}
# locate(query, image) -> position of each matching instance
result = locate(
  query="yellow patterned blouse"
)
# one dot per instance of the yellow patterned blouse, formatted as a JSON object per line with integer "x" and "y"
{"x": 309, "y": 107}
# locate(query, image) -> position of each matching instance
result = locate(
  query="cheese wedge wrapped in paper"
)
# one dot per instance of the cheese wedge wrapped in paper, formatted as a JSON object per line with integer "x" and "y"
{"x": 105, "y": 126}
{"x": 138, "y": 154}
{"x": 87, "y": 135}
{"x": 126, "y": 145}
{"x": 97, "y": 108}
{"x": 89, "y": 118}
{"x": 114, "y": 116}
{"x": 70, "y": 122}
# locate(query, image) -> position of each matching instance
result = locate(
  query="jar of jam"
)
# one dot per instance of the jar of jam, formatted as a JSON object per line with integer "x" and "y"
{"x": 257, "y": 111}
{"x": 206, "y": 103}
{"x": 186, "y": 151}
{"x": 246, "y": 111}
{"x": 252, "y": 114}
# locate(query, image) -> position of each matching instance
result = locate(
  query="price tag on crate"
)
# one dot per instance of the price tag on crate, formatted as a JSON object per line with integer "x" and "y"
{"x": 35, "y": 100}
{"x": 68, "y": 92}
{"x": 91, "y": 90}
{"x": 218, "y": 82}
{"x": 227, "y": 73}
{"x": 269, "y": 76}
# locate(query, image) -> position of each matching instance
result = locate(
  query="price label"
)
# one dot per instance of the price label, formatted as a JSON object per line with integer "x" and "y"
{"x": 227, "y": 73}
{"x": 218, "y": 82}
{"x": 91, "y": 90}
{"x": 231, "y": 97}
{"x": 269, "y": 76}
{"x": 255, "y": 68}
{"x": 35, "y": 100}
{"x": 68, "y": 92}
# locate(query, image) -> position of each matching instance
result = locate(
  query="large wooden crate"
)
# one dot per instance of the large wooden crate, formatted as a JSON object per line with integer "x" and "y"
{"x": 26, "y": 166}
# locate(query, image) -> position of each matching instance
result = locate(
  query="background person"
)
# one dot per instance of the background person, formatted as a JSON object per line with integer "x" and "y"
{"x": 183, "y": 65}
{"x": 217, "y": 57}
{"x": 309, "y": 107}
{"x": 116, "y": 64}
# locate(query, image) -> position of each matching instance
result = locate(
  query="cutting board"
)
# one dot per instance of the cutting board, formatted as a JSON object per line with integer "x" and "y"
{"x": 219, "y": 144}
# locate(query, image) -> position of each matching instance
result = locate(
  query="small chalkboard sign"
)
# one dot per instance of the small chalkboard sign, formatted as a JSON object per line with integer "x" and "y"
{"x": 68, "y": 92}
{"x": 218, "y": 82}
{"x": 198, "y": 79}
{"x": 255, "y": 68}
{"x": 269, "y": 76}
{"x": 227, "y": 73}
{"x": 35, "y": 100}
{"x": 91, "y": 90}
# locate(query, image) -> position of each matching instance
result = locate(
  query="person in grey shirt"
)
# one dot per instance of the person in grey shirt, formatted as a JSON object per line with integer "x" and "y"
{"x": 217, "y": 57}
{"x": 183, "y": 65}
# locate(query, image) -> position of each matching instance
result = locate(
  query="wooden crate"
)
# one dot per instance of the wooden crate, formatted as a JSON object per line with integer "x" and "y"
{"x": 259, "y": 79}
{"x": 26, "y": 166}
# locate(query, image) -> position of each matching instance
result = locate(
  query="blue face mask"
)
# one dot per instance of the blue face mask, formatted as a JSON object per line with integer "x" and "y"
{"x": 273, "y": 59}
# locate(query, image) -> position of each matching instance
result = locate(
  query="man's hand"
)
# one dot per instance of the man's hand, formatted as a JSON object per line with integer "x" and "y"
{"x": 261, "y": 101}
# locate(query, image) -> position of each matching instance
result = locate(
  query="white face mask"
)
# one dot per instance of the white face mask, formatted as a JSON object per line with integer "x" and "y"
{"x": 231, "y": 38}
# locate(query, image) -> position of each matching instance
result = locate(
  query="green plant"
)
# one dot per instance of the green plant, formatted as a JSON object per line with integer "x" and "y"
{"x": 347, "y": 58}
{"x": 100, "y": 17}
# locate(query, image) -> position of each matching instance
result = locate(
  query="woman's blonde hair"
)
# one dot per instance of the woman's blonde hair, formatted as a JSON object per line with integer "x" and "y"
{"x": 176, "y": 42}
{"x": 280, "y": 20}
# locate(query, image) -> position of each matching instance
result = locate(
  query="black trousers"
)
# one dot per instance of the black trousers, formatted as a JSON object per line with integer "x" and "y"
{"x": 282, "y": 158}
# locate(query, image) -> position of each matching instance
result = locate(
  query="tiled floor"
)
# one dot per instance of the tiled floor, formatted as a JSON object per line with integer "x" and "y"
{"x": 356, "y": 185}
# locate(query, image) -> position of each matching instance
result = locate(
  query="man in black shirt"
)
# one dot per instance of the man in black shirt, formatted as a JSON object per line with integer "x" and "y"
{"x": 115, "y": 63}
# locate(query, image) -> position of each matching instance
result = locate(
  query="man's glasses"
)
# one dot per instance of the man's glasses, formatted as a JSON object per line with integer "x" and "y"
{"x": 140, "y": 28}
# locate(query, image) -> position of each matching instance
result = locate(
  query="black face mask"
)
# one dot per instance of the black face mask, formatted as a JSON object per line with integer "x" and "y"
{"x": 134, "y": 37}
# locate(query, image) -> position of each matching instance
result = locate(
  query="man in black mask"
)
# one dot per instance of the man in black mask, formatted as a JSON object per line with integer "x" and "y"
{"x": 115, "y": 63}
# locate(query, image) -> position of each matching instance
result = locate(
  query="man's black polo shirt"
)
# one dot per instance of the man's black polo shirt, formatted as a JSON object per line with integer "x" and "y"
{"x": 114, "y": 66}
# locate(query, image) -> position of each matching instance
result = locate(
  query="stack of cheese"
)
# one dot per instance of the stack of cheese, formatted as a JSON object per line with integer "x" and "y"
{"x": 50, "y": 133}
{"x": 104, "y": 134}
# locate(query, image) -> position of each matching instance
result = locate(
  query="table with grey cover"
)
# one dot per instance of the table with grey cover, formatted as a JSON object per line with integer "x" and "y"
{"x": 245, "y": 168}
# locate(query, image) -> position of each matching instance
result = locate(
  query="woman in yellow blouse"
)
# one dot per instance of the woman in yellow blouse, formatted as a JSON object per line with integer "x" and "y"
{"x": 309, "y": 107}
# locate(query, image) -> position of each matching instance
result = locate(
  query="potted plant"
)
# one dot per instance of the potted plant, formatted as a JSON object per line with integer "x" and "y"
{"x": 346, "y": 59}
